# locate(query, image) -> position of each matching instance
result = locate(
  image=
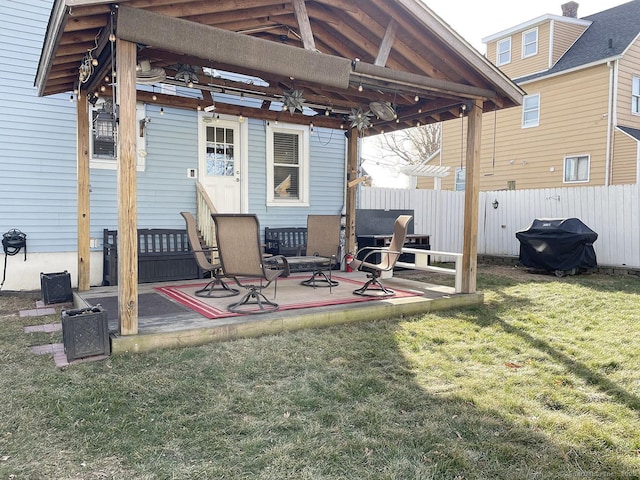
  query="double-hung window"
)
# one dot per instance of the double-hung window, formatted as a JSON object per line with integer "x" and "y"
{"x": 531, "y": 111}
{"x": 103, "y": 135}
{"x": 288, "y": 165}
{"x": 503, "y": 53}
{"x": 635, "y": 95}
{"x": 529, "y": 43}
{"x": 576, "y": 169}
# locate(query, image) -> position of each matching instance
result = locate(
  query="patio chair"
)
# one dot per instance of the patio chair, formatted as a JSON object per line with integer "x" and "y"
{"x": 387, "y": 258}
{"x": 238, "y": 239}
{"x": 217, "y": 287}
{"x": 323, "y": 249}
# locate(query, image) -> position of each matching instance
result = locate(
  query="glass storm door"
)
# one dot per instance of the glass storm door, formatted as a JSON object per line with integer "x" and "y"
{"x": 219, "y": 168}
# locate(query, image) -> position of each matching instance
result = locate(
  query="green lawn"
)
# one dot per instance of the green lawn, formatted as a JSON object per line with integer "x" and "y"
{"x": 541, "y": 382}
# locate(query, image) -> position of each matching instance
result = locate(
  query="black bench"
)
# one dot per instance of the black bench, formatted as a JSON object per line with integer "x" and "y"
{"x": 287, "y": 241}
{"x": 163, "y": 255}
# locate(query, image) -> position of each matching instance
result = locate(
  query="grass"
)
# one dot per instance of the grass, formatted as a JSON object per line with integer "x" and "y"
{"x": 540, "y": 382}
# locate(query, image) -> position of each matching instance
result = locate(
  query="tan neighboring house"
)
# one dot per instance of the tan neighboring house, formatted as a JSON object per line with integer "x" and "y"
{"x": 579, "y": 124}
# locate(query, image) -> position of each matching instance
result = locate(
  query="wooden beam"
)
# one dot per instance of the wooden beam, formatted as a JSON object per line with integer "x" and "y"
{"x": 387, "y": 43}
{"x": 350, "y": 206}
{"x": 471, "y": 199}
{"x": 84, "y": 224}
{"x": 127, "y": 202}
{"x": 300, "y": 9}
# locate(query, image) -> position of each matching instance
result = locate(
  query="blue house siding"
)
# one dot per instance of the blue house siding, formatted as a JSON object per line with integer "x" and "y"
{"x": 38, "y": 181}
{"x": 38, "y": 186}
{"x": 163, "y": 187}
{"x": 326, "y": 182}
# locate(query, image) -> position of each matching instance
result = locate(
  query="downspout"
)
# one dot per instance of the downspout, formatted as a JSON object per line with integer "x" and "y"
{"x": 610, "y": 120}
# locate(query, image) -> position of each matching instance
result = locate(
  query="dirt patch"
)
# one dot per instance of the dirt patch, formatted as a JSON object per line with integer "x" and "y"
{"x": 12, "y": 302}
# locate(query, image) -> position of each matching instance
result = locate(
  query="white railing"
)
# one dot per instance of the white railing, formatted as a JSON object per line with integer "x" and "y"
{"x": 204, "y": 209}
{"x": 421, "y": 262}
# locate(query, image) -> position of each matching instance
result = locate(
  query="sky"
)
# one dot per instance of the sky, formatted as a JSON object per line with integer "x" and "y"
{"x": 483, "y": 18}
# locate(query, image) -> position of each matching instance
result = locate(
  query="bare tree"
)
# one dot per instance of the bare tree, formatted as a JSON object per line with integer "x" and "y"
{"x": 410, "y": 146}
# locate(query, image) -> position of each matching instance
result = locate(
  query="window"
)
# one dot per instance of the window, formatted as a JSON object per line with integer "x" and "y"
{"x": 503, "y": 55}
{"x": 461, "y": 179}
{"x": 635, "y": 95}
{"x": 529, "y": 43}
{"x": 576, "y": 169}
{"x": 103, "y": 146}
{"x": 531, "y": 111}
{"x": 287, "y": 165}
{"x": 220, "y": 160}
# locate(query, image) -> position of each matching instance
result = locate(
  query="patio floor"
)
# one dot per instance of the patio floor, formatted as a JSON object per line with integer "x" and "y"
{"x": 165, "y": 323}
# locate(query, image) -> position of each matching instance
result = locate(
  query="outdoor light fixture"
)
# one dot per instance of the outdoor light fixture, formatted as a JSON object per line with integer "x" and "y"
{"x": 495, "y": 203}
{"x": 360, "y": 119}
{"x": 187, "y": 74}
{"x": 292, "y": 100}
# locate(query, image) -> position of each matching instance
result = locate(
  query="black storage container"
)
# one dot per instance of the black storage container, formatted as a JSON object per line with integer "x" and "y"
{"x": 85, "y": 332}
{"x": 56, "y": 287}
{"x": 563, "y": 246}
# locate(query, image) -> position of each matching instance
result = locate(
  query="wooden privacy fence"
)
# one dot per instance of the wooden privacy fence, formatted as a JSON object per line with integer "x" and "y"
{"x": 612, "y": 212}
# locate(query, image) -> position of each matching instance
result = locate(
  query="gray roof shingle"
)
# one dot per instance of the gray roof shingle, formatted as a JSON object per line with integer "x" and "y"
{"x": 633, "y": 132}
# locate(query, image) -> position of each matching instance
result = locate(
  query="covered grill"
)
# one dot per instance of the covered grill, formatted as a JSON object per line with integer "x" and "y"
{"x": 563, "y": 246}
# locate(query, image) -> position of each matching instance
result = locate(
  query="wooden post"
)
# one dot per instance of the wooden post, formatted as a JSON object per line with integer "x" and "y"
{"x": 471, "y": 199}
{"x": 127, "y": 202}
{"x": 84, "y": 224}
{"x": 352, "y": 174}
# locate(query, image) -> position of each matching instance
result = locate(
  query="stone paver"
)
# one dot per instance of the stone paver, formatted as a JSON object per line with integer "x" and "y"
{"x": 37, "y": 312}
{"x": 47, "y": 328}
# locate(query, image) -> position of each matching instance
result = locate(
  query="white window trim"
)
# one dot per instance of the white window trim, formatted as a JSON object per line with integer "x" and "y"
{"x": 524, "y": 55}
{"x": 500, "y": 42}
{"x": 635, "y": 80}
{"x": 564, "y": 168}
{"x": 537, "y": 123}
{"x": 141, "y": 145}
{"x": 303, "y": 132}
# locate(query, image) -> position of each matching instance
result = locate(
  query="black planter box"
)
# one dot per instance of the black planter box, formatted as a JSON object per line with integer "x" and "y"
{"x": 56, "y": 287}
{"x": 85, "y": 332}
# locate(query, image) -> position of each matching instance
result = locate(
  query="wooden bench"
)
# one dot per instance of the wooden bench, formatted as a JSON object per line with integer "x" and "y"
{"x": 163, "y": 255}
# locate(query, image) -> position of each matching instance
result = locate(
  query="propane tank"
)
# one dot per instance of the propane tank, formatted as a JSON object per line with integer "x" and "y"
{"x": 347, "y": 260}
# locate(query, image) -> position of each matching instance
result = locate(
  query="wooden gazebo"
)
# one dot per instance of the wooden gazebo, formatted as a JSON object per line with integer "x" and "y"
{"x": 395, "y": 57}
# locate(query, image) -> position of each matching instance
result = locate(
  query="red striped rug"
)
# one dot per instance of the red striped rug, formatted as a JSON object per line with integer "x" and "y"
{"x": 290, "y": 295}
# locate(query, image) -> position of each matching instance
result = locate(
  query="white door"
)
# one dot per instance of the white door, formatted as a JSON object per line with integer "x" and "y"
{"x": 219, "y": 163}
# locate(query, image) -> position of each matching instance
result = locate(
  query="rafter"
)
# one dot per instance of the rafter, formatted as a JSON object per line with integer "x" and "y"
{"x": 387, "y": 43}
{"x": 302, "y": 18}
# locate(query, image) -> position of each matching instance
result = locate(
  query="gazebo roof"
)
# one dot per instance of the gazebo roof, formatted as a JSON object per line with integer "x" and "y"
{"x": 395, "y": 57}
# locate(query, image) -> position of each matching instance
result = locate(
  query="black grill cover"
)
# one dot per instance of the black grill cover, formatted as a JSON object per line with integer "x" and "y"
{"x": 561, "y": 244}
